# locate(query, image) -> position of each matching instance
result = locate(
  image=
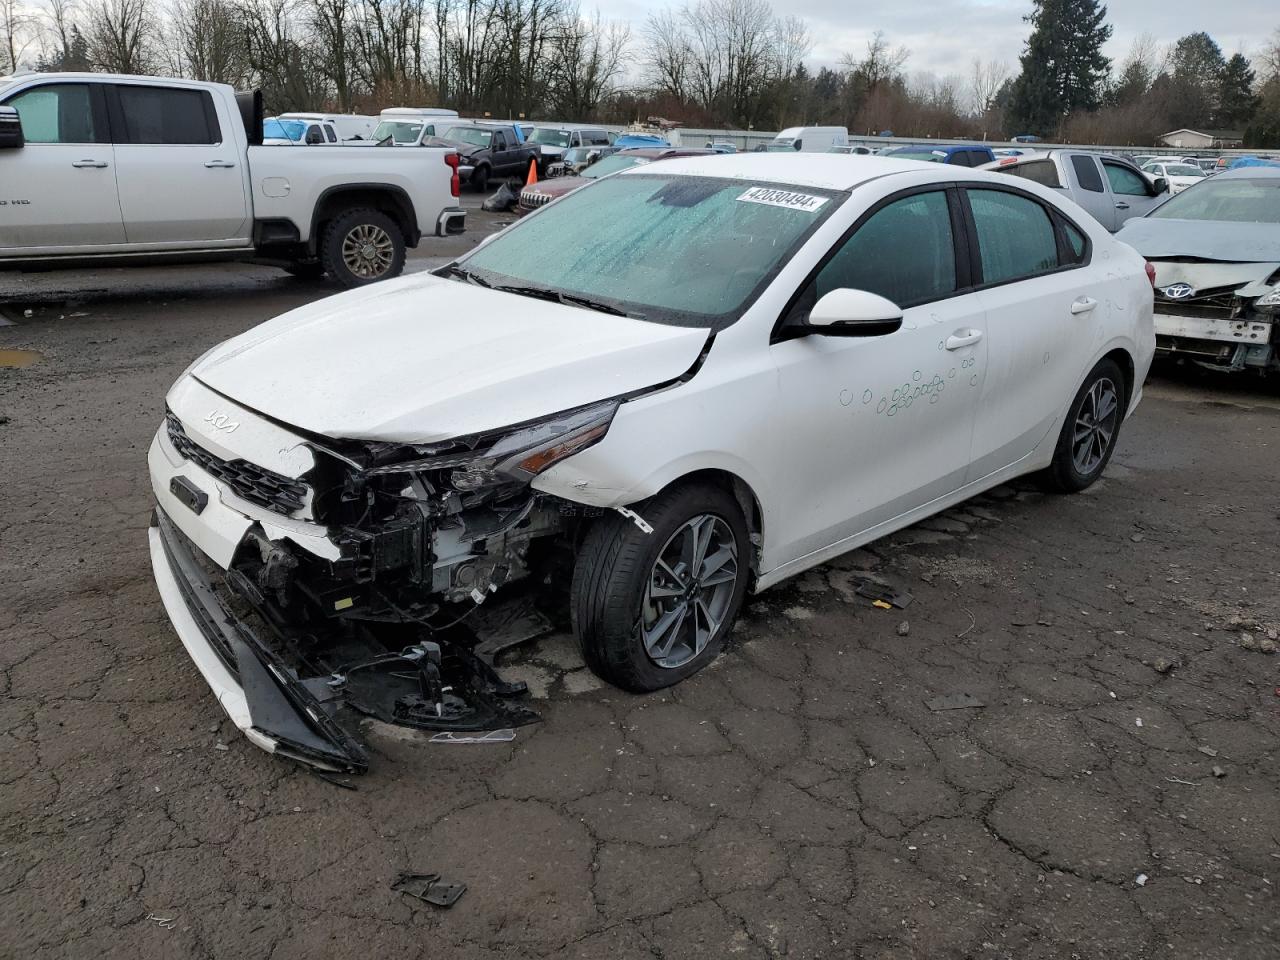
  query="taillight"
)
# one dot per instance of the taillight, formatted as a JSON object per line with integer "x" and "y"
{"x": 1151, "y": 274}
{"x": 1008, "y": 160}
{"x": 455, "y": 184}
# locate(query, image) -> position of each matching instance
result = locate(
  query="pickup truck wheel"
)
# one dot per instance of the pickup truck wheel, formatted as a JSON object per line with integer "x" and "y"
{"x": 362, "y": 246}
{"x": 480, "y": 177}
{"x": 1090, "y": 432}
{"x": 650, "y": 609}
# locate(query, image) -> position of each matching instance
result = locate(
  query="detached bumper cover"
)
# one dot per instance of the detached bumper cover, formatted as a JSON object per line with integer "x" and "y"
{"x": 265, "y": 701}
{"x": 1249, "y": 332}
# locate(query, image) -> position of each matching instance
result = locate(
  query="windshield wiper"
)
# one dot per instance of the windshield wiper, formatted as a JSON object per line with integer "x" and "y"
{"x": 569, "y": 299}
{"x": 453, "y": 270}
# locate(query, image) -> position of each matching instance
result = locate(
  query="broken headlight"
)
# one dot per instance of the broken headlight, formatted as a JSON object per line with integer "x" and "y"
{"x": 1269, "y": 302}
{"x": 520, "y": 454}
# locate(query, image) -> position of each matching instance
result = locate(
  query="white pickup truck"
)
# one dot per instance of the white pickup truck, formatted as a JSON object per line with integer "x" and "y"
{"x": 97, "y": 167}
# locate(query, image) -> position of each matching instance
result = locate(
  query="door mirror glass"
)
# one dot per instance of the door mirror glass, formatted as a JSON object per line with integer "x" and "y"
{"x": 10, "y": 129}
{"x": 854, "y": 313}
{"x": 1161, "y": 185}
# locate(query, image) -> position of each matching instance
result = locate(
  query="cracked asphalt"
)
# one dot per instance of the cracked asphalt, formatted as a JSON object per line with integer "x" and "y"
{"x": 797, "y": 799}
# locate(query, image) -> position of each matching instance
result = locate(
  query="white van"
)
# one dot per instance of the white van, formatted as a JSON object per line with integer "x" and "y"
{"x": 409, "y": 126}
{"x": 809, "y": 139}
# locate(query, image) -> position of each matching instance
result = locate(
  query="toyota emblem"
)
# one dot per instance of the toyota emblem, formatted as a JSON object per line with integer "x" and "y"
{"x": 1178, "y": 291}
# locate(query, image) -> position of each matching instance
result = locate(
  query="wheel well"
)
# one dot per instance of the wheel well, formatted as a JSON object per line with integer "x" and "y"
{"x": 742, "y": 492}
{"x": 389, "y": 200}
{"x": 1125, "y": 363}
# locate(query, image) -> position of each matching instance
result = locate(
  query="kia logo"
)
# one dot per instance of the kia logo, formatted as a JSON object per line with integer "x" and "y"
{"x": 220, "y": 421}
{"x": 1178, "y": 291}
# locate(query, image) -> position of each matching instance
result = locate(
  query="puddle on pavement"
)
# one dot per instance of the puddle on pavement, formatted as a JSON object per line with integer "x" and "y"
{"x": 18, "y": 359}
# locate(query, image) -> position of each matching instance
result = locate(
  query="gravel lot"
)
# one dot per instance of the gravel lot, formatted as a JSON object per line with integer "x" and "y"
{"x": 797, "y": 799}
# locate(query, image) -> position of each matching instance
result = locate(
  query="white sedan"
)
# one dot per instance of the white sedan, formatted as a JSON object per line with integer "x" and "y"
{"x": 1180, "y": 175}
{"x": 684, "y": 383}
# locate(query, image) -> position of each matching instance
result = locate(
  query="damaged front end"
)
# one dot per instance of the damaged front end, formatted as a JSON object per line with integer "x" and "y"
{"x": 1223, "y": 316}
{"x": 316, "y": 581}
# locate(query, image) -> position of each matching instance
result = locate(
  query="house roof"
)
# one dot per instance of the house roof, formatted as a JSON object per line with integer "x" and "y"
{"x": 1211, "y": 134}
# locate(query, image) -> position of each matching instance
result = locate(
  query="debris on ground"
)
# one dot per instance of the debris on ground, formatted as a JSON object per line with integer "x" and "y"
{"x": 502, "y": 200}
{"x": 954, "y": 701}
{"x": 1163, "y": 666}
{"x": 1141, "y": 879}
{"x": 165, "y": 923}
{"x": 881, "y": 605}
{"x": 1218, "y": 771}
{"x": 1208, "y": 751}
{"x": 883, "y": 593}
{"x": 491, "y": 736}
{"x": 904, "y": 628}
{"x": 429, "y": 888}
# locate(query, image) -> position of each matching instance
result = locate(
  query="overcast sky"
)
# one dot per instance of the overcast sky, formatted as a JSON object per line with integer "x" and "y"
{"x": 944, "y": 36}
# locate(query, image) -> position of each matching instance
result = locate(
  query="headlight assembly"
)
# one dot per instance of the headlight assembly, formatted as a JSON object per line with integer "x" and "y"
{"x": 520, "y": 454}
{"x": 1269, "y": 302}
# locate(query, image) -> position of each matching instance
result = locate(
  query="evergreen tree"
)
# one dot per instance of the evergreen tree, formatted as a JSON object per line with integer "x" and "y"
{"x": 1237, "y": 102}
{"x": 1198, "y": 66}
{"x": 1063, "y": 68}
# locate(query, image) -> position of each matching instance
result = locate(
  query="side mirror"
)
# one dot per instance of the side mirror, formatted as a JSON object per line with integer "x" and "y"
{"x": 1161, "y": 185}
{"x": 592, "y": 157}
{"x": 10, "y": 129}
{"x": 854, "y": 313}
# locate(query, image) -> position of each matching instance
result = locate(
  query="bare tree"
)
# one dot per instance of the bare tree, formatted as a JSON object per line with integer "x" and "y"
{"x": 206, "y": 41}
{"x": 119, "y": 34}
{"x": 587, "y": 60}
{"x": 18, "y": 25}
{"x": 985, "y": 81}
{"x": 667, "y": 54}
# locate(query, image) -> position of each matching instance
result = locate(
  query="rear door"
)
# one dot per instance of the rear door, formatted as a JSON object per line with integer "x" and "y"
{"x": 1043, "y": 307}
{"x": 1090, "y": 190}
{"x": 179, "y": 166}
{"x": 58, "y": 192}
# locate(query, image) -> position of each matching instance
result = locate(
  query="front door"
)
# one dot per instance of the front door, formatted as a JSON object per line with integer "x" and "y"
{"x": 876, "y": 427}
{"x": 58, "y": 192}
{"x": 180, "y": 167}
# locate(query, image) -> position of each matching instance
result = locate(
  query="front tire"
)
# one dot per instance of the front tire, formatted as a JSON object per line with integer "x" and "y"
{"x": 480, "y": 178}
{"x": 362, "y": 246}
{"x": 651, "y": 609}
{"x": 1092, "y": 427}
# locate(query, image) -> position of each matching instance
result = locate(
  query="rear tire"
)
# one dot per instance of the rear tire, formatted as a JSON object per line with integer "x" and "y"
{"x": 1090, "y": 432}
{"x": 362, "y": 246}
{"x": 627, "y": 584}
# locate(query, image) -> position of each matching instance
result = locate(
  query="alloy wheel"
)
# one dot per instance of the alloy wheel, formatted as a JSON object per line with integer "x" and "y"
{"x": 367, "y": 251}
{"x": 1095, "y": 426}
{"x": 689, "y": 592}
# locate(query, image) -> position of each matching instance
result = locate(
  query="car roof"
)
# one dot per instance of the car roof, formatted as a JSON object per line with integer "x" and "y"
{"x": 830, "y": 171}
{"x": 657, "y": 153}
{"x": 1250, "y": 173}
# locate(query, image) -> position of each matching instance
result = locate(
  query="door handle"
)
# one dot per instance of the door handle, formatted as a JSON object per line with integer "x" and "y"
{"x": 964, "y": 338}
{"x": 1121, "y": 205}
{"x": 81, "y": 164}
{"x": 219, "y": 164}
{"x": 1083, "y": 305}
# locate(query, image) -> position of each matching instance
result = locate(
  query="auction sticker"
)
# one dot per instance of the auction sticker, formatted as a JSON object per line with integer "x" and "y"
{"x": 773, "y": 197}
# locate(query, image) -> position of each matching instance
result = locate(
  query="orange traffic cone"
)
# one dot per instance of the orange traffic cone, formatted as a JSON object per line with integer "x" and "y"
{"x": 533, "y": 173}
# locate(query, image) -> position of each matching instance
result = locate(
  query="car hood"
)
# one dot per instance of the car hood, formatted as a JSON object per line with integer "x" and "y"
{"x": 1202, "y": 239}
{"x": 1209, "y": 276}
{"x": 422, "y": 359}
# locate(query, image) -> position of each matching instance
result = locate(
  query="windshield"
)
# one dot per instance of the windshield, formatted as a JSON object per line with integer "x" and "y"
{"x": 602, "y": 168}
{"x": 552, "y": 138}
{"x": 779, "y": 146}
{"x": 400, "y": 131}
{"x": 1237, "y": 201}
{"x": 924, "y": 153}
{"x": 686, "y": 251}
{"x": 283, "y": 130}
{"x": 472, "y": 135}
{"x": 1182, "y": 170}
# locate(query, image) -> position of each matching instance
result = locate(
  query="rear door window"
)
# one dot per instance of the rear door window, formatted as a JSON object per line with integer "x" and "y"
{"x": 1086, "y": 169}
{"x": 1015, "y": 235}
{"x": 166, "y": 115}
{"x": 1039, "y": 171}
{"x": 1125, "y": 181}
{"x": 330, "y": 135}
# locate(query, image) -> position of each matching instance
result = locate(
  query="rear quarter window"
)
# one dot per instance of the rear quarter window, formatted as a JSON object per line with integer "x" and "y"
{"x": 1086, "y": 170}
{"x": 1039, "y": 171}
